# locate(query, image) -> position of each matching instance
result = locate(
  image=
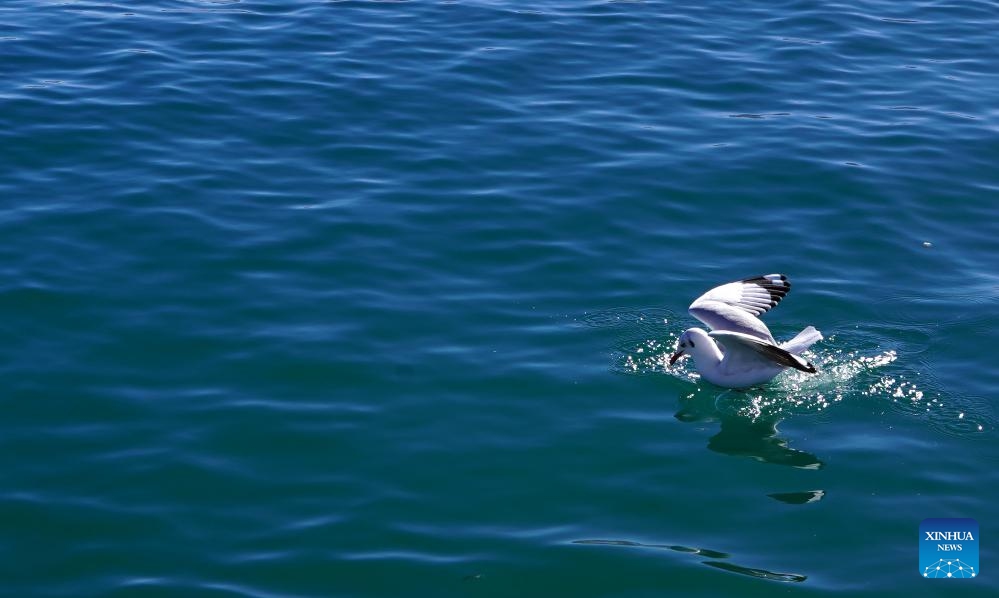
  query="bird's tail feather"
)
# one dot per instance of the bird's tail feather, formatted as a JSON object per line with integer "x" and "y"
{"x": 803, "y": 340}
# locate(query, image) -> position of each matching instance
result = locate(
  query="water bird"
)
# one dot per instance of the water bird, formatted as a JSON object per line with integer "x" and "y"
{"x": 740, "y": 351}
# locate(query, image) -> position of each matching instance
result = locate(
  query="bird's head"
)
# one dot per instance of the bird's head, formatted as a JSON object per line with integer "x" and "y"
{"x": 693, "y": 341}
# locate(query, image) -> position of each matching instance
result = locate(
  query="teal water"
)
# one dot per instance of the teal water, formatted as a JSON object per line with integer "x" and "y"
{"x": 375, "y": 299}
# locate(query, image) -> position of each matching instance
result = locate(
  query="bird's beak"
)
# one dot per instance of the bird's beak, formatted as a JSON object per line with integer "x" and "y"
{"x": 676, "y": 356}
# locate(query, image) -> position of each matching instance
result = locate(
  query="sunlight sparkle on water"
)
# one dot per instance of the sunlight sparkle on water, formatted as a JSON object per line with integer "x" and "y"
{"x": 841, "y": 373}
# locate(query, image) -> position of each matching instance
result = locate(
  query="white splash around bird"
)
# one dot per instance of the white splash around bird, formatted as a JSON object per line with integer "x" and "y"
{"x": 740, "y": 351}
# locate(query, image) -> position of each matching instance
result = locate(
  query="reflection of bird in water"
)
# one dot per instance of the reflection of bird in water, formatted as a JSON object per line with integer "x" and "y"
{"x": 741, "y": 436}
{"x": 799, "y": 498}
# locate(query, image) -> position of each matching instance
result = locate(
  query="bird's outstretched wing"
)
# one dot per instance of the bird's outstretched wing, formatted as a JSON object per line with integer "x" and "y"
{"x": 745, "y": 351}
{"x": 735, "y": 306}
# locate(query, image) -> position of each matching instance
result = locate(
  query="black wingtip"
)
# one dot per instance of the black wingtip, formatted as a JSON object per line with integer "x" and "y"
{"x": 784, "y": 357}
{"x": 807, "y": 367}
{"x": 776, "y": 285}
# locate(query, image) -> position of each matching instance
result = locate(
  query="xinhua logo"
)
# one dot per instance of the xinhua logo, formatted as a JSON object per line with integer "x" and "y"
{"x": 948, "y": 548}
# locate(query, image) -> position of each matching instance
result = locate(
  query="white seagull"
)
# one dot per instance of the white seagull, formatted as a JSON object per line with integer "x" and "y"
{"x": 740, "y": 351}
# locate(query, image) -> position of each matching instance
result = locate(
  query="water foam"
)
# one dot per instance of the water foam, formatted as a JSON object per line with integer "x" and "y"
{"x": 871, "y": 373}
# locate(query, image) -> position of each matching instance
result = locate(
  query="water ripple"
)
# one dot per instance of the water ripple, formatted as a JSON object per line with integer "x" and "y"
{"x": 724, "y": 565}
{"x": 337, "y": 298}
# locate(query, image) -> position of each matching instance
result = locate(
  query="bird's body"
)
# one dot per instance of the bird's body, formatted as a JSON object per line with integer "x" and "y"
{"x": 740, "y": 351}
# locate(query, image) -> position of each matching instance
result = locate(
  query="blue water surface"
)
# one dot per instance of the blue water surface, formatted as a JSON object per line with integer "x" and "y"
{"x": 317, "y": 298}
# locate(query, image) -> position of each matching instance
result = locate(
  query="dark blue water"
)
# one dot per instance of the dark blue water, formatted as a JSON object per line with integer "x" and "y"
{"x": 375, "y": 299}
